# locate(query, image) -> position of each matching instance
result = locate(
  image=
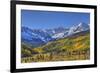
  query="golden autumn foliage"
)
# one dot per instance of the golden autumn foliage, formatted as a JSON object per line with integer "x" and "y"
{"x": 38, "y": 50}
{"x": 76, "y": 48}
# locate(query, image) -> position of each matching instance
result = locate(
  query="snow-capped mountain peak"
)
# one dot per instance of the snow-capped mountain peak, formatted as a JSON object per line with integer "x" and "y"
{"x": 78, "y": 28}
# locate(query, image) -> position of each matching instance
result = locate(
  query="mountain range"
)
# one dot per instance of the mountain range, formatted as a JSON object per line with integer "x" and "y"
{"x": 38, "y": 37}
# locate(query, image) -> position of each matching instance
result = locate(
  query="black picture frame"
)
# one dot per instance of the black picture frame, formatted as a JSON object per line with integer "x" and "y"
{"x": 13, "y": 36}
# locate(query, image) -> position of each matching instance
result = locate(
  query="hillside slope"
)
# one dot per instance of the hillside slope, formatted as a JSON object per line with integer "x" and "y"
{"x": 69, "y": 48}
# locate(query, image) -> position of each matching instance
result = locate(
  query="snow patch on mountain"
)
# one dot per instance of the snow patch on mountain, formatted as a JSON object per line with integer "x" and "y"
{"x": 59, "y": 35}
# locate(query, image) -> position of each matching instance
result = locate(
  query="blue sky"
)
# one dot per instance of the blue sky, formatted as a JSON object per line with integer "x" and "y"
{"x": 52, "y": 19}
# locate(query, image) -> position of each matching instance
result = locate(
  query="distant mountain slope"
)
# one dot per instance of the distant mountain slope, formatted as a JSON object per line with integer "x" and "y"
{"x": 34, "y": 37}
